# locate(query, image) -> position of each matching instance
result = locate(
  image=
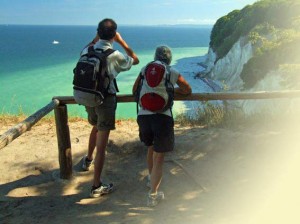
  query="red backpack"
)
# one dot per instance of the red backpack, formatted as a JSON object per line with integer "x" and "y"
{"x": 155, "y": 92}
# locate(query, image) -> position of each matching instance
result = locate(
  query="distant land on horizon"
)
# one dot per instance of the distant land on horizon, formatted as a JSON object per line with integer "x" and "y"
{"x": 128, "y": 25}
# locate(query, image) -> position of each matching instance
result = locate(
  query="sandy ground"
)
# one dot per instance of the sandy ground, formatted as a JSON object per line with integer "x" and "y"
{"x": 247, "y": 174}
{"x": 214, "y": 176}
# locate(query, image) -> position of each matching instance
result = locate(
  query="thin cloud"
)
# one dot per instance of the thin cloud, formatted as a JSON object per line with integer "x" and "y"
{"x": 195, "y": 21}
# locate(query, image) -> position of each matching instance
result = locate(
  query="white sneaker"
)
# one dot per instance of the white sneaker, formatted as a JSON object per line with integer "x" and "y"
{"x": 101, "y": 190}
{"x": 154, "y": 199}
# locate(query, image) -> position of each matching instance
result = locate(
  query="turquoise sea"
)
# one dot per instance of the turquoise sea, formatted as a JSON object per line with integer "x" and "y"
{"x": 33, "y": 69}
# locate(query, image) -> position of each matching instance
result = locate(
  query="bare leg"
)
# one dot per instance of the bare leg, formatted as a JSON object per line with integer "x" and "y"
{"x": 92, "y": 142}
{"x": 102, "y": 139}
{"x": 150, "y": 159}
{"x": 156, "y": 174}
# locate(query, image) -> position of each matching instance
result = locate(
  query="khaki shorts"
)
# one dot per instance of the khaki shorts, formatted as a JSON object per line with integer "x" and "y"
{"x": 104, "y": 115}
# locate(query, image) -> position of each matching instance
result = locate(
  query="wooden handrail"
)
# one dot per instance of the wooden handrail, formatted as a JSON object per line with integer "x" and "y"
{"x": 126, "y": 98}
{"x": 59, "y": 104}
{"x": 25, "y": 125}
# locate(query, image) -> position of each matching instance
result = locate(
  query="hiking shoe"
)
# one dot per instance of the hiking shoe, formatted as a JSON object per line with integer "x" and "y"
{"x": 154, "y": 199}
{"x": 148, "y": 184}
{"x": 86, "y": 163}
{"x": 101, "y": 190}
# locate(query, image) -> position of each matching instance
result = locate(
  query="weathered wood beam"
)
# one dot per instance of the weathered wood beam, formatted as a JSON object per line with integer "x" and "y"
{"x": 204, "y": 96}
{"x": 64, "y": 142}
{"x": 25, "y": 125}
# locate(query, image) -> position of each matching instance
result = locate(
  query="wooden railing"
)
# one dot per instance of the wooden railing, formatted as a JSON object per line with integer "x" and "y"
{"x": 59, "y": 105}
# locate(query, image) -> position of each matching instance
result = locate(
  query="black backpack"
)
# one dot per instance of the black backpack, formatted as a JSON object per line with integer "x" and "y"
{"x": 91, "y": 81}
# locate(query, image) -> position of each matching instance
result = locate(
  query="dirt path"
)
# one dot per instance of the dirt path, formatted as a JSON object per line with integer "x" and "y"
{"x": 245, "y": 175}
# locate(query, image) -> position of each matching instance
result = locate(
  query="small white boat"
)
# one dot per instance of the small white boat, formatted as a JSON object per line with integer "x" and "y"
{"x": 55, "y": 42}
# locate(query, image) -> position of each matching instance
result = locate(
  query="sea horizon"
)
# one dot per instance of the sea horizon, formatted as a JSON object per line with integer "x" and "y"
{"x": 120, "y": 25}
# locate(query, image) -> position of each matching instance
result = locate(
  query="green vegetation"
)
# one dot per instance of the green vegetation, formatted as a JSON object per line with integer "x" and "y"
{"x": 271, "y": 56}
{"x": 233, "y": 117}
{"x": 272, "y": 26}
{"x": 12, "y": 120}
{"x": 213, "y": 116}
{"x": 210, "y": 116}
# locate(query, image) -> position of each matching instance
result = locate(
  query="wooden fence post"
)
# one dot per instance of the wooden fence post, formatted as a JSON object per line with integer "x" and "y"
{"x": 64, "y": 142}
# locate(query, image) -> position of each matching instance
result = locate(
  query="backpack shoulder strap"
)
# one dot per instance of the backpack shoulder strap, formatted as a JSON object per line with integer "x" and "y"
{"x": 169, "y": 87}
{"x": 168, "y": 68}
{"x": 104, "y": 55}
{"x": 108, "y": 52}
{"x": 91, "y": 49}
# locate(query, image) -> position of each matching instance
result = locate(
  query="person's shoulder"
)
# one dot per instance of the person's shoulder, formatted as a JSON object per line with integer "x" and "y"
{"x": 174, "y": 70}
{"x": 84, "y": 51}
{"x": 117, "y": 54}
{"x": 122, "y": 61}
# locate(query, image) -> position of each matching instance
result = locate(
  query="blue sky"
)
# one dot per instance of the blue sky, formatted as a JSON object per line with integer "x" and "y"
{"x": 133, "y": 12}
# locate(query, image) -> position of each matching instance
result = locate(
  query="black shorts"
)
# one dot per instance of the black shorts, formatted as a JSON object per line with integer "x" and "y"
{"x": 157, "y": 130}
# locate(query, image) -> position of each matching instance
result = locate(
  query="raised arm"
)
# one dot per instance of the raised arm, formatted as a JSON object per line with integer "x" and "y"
{"x": 93, "y": 41}
{"x": 127, "y": 49}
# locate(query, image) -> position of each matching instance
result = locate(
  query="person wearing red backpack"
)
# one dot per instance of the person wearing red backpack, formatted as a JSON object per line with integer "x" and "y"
{"x": 154, "y": 91}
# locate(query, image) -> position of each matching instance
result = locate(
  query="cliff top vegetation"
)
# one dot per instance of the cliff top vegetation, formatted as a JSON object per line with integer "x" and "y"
{"x": 272, "y": 26}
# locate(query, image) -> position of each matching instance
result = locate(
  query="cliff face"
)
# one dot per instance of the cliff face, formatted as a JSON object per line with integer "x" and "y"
{"x": 271, "y": 27}
{"x": 257, "y": 49}
{"x": 228, "y": 69}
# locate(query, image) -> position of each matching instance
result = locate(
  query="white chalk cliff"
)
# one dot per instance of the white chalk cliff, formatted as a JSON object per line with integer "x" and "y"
{"x": 228, "y": 69}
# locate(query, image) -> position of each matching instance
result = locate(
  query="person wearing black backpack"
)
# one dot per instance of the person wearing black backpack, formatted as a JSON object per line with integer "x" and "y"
{"x": 154, "y": 91}
{"x": 102, "y": 117}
